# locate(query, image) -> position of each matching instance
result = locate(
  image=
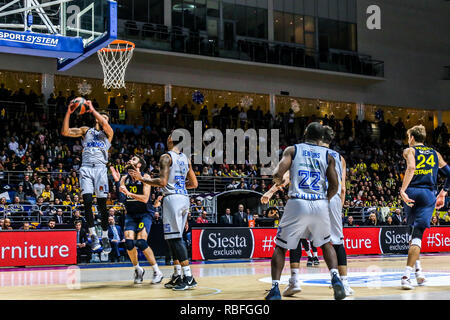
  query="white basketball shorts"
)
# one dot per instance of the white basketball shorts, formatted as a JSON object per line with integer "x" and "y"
{"x": 304, "y": 219}
{"x": 94, "y": 180}
{"x": 336, "y": 228}
{"x": 175, "y": 212}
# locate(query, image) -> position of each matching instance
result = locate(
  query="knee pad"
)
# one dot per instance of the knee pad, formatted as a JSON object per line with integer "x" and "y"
{"x": 295, "y": 255}
{"x": 141, "y": 244}
{"x": 305, "y": 244}
{"x": 129, "y": 244}
{"x": 179, "y": 249}
{"x": 102, "y": 205}
{"x": 416, "y": 236}
{"x": 103, "y": 213}
{"x": 169, "y": 247}
{"x": 341, "y": 254}
{"x": 87, "y": 198}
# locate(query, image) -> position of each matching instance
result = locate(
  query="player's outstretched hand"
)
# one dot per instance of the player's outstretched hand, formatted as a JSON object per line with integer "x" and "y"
{"x": 70, "y": 110}
{"x": 91, "y": 107}
{"x": 115, "y": 174}
{"x": 266, "y": 197}
{"x": 158, "y": 202}
{"x": 136, "y": 175}
{"x": 409, "y": 202}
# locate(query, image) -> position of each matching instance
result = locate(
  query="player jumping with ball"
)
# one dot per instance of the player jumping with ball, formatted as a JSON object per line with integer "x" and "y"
{"x": 96, "y": 142}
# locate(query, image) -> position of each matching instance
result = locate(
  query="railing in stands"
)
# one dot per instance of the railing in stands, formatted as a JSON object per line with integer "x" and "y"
{"x": 43, "y": 213}
{"x": 177, "y": 39}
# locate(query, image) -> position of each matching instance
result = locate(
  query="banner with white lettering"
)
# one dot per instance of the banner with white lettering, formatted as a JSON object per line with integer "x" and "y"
{"x": 436, "y": 239}
{"x": 225, "y": 243}
{"x": 46, "y": 45}
{"x": 37, "y": 248}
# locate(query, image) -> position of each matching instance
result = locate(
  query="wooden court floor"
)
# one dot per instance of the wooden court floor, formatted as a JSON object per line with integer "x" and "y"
{"x": 374, "y": 277}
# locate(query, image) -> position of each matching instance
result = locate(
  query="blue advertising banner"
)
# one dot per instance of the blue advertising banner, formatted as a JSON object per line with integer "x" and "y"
{"x": 39, "y": 44}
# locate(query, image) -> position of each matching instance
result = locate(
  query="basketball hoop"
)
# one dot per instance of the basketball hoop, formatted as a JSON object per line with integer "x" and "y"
{"x": 114, "y": 59}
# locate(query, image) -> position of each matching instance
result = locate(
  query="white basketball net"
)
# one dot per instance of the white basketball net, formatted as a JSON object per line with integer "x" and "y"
{"x": 114, "y": 59}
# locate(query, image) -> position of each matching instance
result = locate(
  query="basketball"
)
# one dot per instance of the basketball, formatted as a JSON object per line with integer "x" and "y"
{"x": 78, "y": 106}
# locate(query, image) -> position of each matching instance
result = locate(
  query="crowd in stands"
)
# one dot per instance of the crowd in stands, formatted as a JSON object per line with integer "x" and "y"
{"x": 46, "y": 163}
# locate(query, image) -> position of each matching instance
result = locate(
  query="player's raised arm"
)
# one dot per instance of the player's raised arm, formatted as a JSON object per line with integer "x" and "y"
{"x": 344, "y": 176}
{"x": 66, "y": 131}
{"x": 332, "y": 177}
{"x": 118, "y": 182}
{"x": 269, "y": 194}
{"x": 445, "y": 169}
{"x": 409, "y": 155}
{"x": 191, "y": 182}
{"x": 104, "y": 124}
{"x": 164, "y": 165}
{"x": 283, "y": 166}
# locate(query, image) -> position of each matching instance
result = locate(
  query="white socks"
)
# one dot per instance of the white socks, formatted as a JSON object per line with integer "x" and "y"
{"x": 156, "y": 268}
{"x": 407, "y": 272}
{"x": 177, "y": 270}
{"x": 137, "y": 266}
{"x": 333, "y": 272}
{"x": 309, "y": 253}
{"x": 315, "y": 254}
{"x": 275, "y": 282}
{"x": 294, "y": 273}
{"x": 418, "y": 265}
{"x": 187, "y": 271}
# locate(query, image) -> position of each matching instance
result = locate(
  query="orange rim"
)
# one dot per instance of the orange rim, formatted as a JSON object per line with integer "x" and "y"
{"x": 130, "y": 47}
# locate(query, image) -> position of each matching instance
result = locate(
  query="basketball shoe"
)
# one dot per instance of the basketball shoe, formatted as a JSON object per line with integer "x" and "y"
{"x": 139, "y": 275}
{"x": 174, "y": 280}
{"x": 188, "y": 282}
{"x": 292, "y": 288}
{"x": 95, "y": 243}
{"x": 406, "y": 283}
{"x": 157, "y": 277}
{"x": 421, "y": 280}
{"x": 274, "y": 293}
{"x": 338, "y": 287}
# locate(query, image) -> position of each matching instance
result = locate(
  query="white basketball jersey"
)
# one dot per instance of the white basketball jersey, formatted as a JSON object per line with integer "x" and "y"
{"x": 176, "y": 183}
{"x": 308, "y": 172}
{"x": 339, "y": 169}
{"x": 95, "y": 147}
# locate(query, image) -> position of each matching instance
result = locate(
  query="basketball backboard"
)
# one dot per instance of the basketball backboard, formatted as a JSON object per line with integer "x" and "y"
{"x": 69, "y": 30}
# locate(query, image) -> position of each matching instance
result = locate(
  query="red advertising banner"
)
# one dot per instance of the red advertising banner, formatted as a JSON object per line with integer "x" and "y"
{"x": 436, "y": 239}
{"x": 223, "y": 243}
{"x": 264, "y": 242}
{"x": 196, "y": 255}
{"x": 356, "y": 241}
{"x": 37, "y": 248}
{"x": 362, "y": 240}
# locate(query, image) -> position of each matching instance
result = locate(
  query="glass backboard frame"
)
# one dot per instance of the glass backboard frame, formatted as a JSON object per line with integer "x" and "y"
{"x": 68, "y": 30}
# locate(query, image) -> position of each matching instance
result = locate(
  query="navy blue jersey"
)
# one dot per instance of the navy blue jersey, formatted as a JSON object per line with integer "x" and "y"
{"x": 134, "y": 206}
{"x": 427, "y": 167}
